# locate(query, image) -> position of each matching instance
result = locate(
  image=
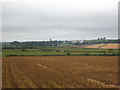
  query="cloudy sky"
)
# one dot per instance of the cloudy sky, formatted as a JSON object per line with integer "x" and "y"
{"x": 59, "y": 19}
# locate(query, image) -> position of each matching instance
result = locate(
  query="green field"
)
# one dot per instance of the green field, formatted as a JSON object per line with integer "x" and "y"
{"x": 61, "y": 51}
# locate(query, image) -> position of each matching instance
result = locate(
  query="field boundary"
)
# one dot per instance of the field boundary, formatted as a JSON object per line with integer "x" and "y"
{"x": 15, "y": 55}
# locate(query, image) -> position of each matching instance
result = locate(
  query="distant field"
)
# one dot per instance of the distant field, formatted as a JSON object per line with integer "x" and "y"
{"x": 104, "y": 46}
{"x": 111, "y": 45}
{"x": 95, "y": 46}
{"x": 63, "y": 51}
{"x": 60, "y": 72}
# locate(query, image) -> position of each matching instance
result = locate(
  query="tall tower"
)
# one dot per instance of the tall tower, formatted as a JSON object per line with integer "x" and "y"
{"x": 50, "y": 39}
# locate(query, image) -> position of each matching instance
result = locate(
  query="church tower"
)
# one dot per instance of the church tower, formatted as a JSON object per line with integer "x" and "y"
{"x": 50, "y": 39}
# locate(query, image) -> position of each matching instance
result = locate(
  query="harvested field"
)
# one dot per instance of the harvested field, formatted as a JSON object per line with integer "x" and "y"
{"x": 60, "y": 72}
{"x": 95, "y": 46}
{"x": 112, "y": 46}
{"x": 104, "y": 46}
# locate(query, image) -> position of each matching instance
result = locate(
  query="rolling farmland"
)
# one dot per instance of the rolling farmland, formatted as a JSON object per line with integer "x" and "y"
{"x": 50, "y": 51}
{"x": 60, "y": 72}
{"x": 59, "y": 44}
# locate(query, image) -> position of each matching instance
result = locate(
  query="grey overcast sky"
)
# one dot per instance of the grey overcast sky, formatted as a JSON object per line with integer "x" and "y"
{"x": 39, "y": 20}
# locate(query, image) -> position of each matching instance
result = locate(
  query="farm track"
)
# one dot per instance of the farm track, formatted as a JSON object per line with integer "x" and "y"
{"x": 60, "y": 72}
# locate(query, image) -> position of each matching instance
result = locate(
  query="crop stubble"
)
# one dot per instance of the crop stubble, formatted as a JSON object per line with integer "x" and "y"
{"x": 105, "y": 46}
{"x": 60, "y": 72}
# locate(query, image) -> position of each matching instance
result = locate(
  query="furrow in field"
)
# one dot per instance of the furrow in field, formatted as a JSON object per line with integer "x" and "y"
{"x": 88, "y": 79}
{"x": 101, "y": 83}
{"x": 43, "y": 66}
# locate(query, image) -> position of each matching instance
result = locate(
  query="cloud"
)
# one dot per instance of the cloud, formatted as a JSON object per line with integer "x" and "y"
{"x": 59, "y": 19}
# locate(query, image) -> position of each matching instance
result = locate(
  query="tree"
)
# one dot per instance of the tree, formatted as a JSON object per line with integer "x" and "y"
{"x": 110, "y": 50}
{"x": 68, "y": 53}
{"x": 23, "y": 49}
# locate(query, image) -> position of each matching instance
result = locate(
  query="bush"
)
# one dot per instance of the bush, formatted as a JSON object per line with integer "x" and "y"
{"x": 68, "y": 53}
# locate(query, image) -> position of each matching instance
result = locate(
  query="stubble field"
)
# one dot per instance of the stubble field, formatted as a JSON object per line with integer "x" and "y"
{"x": 60, "y": 72}
{"x": 105, "y": 46}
